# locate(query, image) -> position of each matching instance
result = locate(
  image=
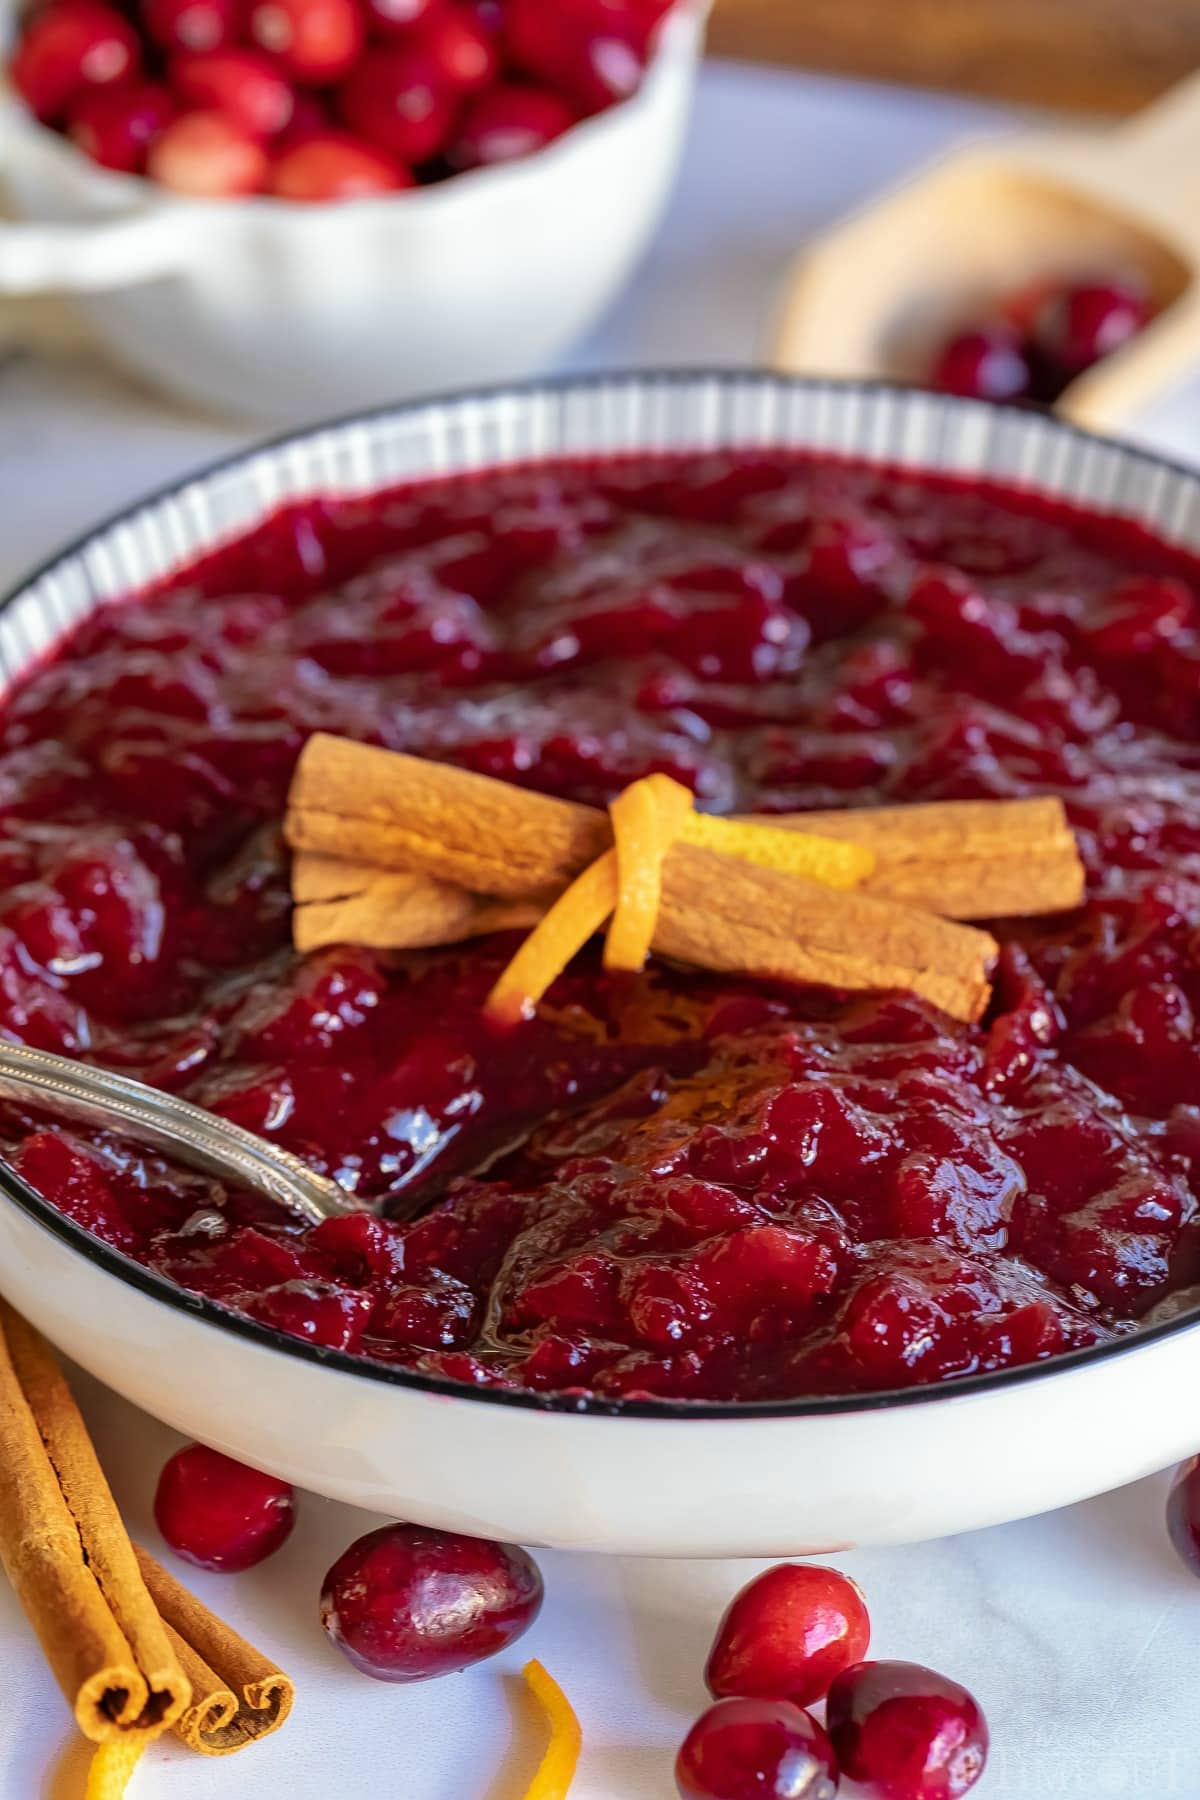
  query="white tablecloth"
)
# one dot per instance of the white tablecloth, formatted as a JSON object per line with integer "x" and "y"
{"x": 1079, "y": 1631}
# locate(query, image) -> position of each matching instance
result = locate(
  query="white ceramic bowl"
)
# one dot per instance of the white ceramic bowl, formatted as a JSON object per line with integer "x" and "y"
{"x": 655, "y": 1477}
{"x": 286, "y": 312}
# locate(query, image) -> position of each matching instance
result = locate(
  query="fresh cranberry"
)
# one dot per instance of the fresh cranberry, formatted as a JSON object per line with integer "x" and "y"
{"x": 406, "y": 1603}
{"x": 1080, "y": 326}
{"x": 508, "y": 121}
{"x": 315, "y": 40}
{"x": 220, "y": 1514}
{"x": 760, "y": 1749}
{"x": 331, "y": 165}
{"x": 1183, "y": 1513}
{"x": 988, "y": 363}
{"x": 191, "y": 25}
{"x": 398, "y": 100}
{"x": 207, "y": 155}
{"x": 244, "y": 84}
{"x": 463, "y": 48}
{"x": 789, "y": 1631}
{"x": 593, "y": 50}
{"x": 397, "y": 17}
{"x": 72, "y": 46}
{"x": 905, "y": 1733}
{"x": 116, "y": 126}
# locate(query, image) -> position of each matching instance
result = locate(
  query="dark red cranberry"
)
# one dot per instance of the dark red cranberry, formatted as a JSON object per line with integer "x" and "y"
{"x": 904, "y": 1732}
{"x": 397, "y": 17}
{"x": 116, "y": 126}
{"x": 987, "y": 363}
{"x": 593, "y": 50}
{"x": 315, "y": 40}
{"x": 789, "y": 1631}
{"x": 244, "y": 84}
{"x": 399, "y": 101}
{"x": 759, "y": 1749}
{"x": 1183, "y": 1513}
{"x": 208, "y": 155}
{"x": 70, "y": 47}
{"x": 406, "y": 1603}
{"x": 1079, "y": 326}
{"x": 508, "y": 121}
{"x": 332, "y": 165}
{"x": 219, "y": 1514}
{"x": 190, "y": 25}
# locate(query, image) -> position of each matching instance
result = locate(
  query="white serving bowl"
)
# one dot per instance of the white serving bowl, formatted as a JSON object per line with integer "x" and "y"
{"x": 286, "y": 312}
{"x": 655, "y": 1478}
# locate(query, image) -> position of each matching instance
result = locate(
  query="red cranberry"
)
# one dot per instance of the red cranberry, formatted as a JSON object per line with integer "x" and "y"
{"x": 1078, "y": 327}
{"x": 331, "y": 165}
{"x": 398, "y": 100}
{"x": 397, "y": 17}
{"x": 989, "y": 363}
{"x": 1183, "y": 1513}
{"x": 116, "y": 126}
{"x": 905, "y": 1733}
{"x": 309, "y": 119}
{"x": 789, "y": 1631}
{"x": 72, "y": 46}
{"x": 244, "y": 84}
{"x": 758, "y": 1749}
{"x": 219, "y": 1514}
{"x": 508, "y": 121}
{"x": 463, "y": 48}
{"x": 207, "y": 155}
{"x": 315, "y": 40}
{"x": 405, "y": 1603}
{"x": 190, "y": 25}
{"x": 594, "y": 50}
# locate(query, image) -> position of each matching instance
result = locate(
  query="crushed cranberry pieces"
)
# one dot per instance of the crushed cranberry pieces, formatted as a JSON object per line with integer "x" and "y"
{"x": 669, "y": 1185}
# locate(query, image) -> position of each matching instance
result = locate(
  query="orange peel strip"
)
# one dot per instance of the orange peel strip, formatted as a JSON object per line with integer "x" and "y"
{"x": 113, "y": 1764}
{"x": 561, "y": 933}
{"x": 556, "y": 1771}
{"x": 835, "y": 862}
{"x": 646, "y": 819}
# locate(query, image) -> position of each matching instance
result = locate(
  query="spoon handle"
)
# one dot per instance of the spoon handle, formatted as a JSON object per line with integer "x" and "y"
{"x": 199, "y": 1138}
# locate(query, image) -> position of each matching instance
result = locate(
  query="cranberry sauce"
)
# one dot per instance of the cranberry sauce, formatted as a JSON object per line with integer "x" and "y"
{"x": 673, "y": 1185}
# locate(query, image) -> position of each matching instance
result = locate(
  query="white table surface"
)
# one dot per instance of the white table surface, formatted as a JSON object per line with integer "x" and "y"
{"x": 1079, "y": 1632}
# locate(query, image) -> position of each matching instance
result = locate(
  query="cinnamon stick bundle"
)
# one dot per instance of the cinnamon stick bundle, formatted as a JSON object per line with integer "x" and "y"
{"x": 238, "y": 1695}
{"x": 67, "y": 1555}
{"x": 399, "y": 853}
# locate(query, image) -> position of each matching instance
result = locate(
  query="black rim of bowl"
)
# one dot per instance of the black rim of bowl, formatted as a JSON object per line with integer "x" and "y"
{"x": 156, "y": 1287}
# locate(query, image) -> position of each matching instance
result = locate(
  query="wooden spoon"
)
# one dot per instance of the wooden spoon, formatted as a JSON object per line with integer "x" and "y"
{"x": 879, "y": 295}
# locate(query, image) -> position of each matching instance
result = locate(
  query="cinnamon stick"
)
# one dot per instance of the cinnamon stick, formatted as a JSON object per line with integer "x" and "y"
{"x": 68, "y": 1557}
{"x": 238, "y": 1694}
{"x": 342, "y": 902}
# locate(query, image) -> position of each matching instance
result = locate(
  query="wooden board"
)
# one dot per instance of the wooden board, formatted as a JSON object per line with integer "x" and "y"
{"x": 1101, "y": 55}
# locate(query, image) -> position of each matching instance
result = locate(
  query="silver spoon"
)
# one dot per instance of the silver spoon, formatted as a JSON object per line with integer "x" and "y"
{"x": 199, "y": 1138}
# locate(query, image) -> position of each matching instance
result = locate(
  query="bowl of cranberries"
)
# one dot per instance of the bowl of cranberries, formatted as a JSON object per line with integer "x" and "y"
{"x": 283, "y": 208}
{"x": 685, "y": 1262}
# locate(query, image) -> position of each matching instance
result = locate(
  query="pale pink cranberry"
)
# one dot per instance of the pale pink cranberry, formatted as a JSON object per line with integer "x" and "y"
{"x": 397, "y": 17}
{"x": 116, "y": 126}
{"x": 405, "y": 1603}
{"x": 463, "y": 48}
{"x": 244, "y": 84}
{"x": 1076, "y": 328}
{"x": 509, "y": 121}
{"x": 332, "y": 165}
{"x": 759, "y": 1749}
{"x": 905, "y": 1733}
{"x": 1183, "y": 1513}
{"x": 72, "y": 46}
{"x": 315, "y": 40}
{"x": 209, "y": 156}
{"x": 218, "y": 1513}
{"x": 989, "y": 363}
{"x": 190, "y": 25}
{"x": 399, "y": 101}
{"x": 789, "y": 1632}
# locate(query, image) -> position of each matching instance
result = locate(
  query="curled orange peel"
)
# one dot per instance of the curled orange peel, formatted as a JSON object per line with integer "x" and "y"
{"x": 556, "y": 1771}
{"x": 113, "y": 1764}
{"x": 626, "y": 882}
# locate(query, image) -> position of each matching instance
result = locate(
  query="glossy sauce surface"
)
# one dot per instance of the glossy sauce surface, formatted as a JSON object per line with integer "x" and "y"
{"x": 672, "y": 1185}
